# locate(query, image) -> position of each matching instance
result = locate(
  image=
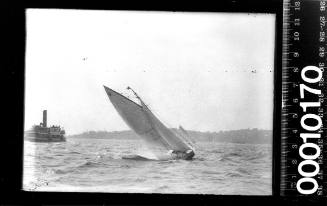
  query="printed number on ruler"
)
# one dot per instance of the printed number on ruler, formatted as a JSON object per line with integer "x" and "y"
{"x": 303, "y": 126}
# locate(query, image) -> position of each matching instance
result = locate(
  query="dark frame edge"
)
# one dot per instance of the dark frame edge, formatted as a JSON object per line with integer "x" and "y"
{"x": 13, "y": 191}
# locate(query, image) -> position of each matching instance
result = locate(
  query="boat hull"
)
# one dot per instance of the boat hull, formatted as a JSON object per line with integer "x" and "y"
{"x": 43, "y": 137}
{"x": 183, "y": 155}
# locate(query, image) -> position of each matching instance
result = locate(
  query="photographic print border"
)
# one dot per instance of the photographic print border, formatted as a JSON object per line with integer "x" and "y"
{"x": 14, "y": 88}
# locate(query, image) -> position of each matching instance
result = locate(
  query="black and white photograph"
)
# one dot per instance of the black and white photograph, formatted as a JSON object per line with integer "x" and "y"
{"x": 149, "y": 102}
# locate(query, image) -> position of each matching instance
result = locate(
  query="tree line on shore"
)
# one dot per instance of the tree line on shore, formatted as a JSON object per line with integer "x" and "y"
{"x": 252, "y": 136}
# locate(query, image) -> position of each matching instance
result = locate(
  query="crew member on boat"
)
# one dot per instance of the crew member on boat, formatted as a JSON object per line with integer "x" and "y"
{"x": 188, "y": 155}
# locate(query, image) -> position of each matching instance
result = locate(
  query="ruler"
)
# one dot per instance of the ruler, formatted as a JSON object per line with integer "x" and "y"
{"x": 304, "y": 102}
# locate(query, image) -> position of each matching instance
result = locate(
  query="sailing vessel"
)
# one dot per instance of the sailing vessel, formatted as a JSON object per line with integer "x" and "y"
{"x": 148, "y": 127}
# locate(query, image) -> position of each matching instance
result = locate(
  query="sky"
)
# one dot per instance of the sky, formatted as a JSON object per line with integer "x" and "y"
{"x": 204, "y": 71}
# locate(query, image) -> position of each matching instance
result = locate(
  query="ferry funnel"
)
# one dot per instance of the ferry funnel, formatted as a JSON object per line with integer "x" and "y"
{"x": 44, "y": 118}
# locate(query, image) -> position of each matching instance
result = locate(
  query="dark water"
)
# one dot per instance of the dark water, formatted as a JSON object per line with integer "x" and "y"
{"x": 96, "y": 165}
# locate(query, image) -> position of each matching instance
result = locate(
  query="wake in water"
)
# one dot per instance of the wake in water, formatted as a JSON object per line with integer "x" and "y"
{"x": 138, "y": 157}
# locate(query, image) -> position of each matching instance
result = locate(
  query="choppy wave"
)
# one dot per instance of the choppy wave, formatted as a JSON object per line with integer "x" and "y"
{"x": 99, "y": 166}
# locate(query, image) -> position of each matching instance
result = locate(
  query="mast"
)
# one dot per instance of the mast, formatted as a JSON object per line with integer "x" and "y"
{"x": 147, "y": 115}
{"x": 136, "y": 95}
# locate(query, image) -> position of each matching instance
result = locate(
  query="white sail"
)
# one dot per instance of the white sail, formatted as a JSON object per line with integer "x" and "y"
{"x": 141, "y": 120}
{"x": 173, "y": 140}
{"x": 134, "y": 117}
{"x": 186, "y": 135}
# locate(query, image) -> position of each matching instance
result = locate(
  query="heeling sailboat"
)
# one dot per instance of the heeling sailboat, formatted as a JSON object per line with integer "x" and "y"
{"x": 145, "y": 124}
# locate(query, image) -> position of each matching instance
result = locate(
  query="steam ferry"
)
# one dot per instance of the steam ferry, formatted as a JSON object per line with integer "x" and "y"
{"x": 43, "y": 133}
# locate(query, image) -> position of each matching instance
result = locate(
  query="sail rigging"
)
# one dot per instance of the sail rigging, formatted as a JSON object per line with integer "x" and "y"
{"x": 187, "y": 137}
{"x": 175, "y": 142}
{"x": 141, "y": 120}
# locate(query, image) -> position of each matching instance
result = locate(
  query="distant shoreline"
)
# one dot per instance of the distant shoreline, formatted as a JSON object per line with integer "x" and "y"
{"x": 249, "y": 136}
